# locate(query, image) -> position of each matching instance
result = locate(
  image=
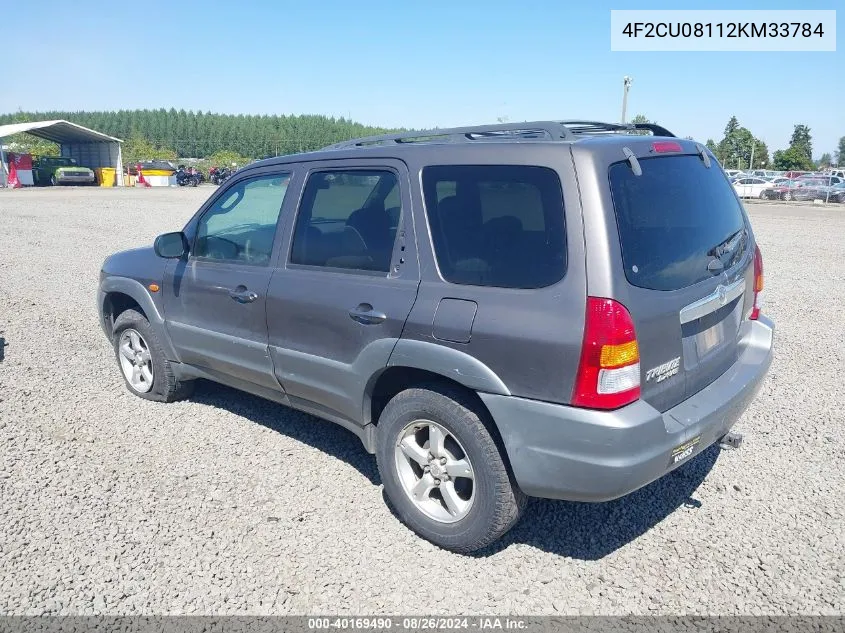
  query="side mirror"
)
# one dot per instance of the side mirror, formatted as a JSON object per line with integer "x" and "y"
{"x": 171, "y": 245}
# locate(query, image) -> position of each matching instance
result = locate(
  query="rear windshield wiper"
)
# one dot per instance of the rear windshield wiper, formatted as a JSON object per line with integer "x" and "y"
{"x": 727, "y": 245}
{"x": 730, "y": 245}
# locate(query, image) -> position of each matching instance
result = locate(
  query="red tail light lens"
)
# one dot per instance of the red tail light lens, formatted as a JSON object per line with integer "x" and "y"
{"x": 758, "y": 284}
{"x": 609, "y": 370}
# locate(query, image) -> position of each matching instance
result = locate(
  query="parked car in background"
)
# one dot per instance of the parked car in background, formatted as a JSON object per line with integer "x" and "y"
{"x": 802, "y": 189}
{"x": 783, "y": 190}
{"x": 751, "y": 187}
{"x": 764, "y": 173}
{"x": 822, "y": 189}
{"x": 734, "y": 173}
{"x": 60, "y": 170}
{"x": 795, "y": 174}
{"x": 836, "y": 193}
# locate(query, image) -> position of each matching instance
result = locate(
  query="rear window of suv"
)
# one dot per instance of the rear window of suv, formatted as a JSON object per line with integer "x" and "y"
{"x": 496, "y": 225}
{"x": 674, "y": 219}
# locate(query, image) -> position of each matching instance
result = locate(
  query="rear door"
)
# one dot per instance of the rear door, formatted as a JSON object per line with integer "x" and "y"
{"x": 686, "y": 252}
{"x": 344, "y": 285}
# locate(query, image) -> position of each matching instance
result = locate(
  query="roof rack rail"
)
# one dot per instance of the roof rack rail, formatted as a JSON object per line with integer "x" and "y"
{"x": 547, "y": 130}
{"x": 550, "y": 130}
{"x": 599, "y": 127}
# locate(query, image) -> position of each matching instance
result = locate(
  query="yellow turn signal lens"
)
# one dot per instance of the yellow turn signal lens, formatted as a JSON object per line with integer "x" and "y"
{"x": 619, "y": 355}
{"x": 153, "y": 287}
{"x": 758, "y": 283}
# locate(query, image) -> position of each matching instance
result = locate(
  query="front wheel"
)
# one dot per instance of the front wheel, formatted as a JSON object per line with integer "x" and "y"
{"x": 442, "y": 470}
{"x": 787, "y": 196}
{"x": 763, "y": 195}
{"x": 53, "y": 181}
{"x": 147, "y": 372}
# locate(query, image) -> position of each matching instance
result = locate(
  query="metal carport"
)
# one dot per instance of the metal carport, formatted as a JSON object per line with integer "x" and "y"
{"x": 90, "y": 148}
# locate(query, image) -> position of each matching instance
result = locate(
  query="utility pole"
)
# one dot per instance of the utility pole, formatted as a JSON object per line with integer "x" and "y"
{"x": 751, "y": 163}
{"x": 626, "y": 86}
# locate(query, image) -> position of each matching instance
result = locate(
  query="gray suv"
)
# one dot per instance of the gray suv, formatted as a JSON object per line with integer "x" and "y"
{"x": 566, "y": 310}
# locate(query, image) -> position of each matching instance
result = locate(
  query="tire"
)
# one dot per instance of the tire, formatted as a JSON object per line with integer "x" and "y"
{"x": 763, "y": 195}
{"x": 491, "y": 502}
{"x": 164, "y": 387}
{"x": 53, "y": 181}
{"x": 787, "y": 196}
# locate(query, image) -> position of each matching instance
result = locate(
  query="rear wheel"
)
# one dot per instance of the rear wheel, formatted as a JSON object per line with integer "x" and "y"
{"x": 53, "y": 181}
{"x": 787, "y": 196}
{"x": 147, "y": 372}
{"x": 763, "y": 195}
{"x": 442, "y": 470}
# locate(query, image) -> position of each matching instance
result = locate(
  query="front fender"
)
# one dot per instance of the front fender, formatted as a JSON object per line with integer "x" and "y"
{"x": 141, "y": 296}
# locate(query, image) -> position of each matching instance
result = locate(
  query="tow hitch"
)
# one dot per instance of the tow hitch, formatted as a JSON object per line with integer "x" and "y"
{"x": 731, "y": 440}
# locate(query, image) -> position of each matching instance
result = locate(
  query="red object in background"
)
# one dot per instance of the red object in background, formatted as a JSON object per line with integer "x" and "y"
{"x": 141, "y": 180}
{"x": 13, "y": 182}
{"x": 22, "y": 161}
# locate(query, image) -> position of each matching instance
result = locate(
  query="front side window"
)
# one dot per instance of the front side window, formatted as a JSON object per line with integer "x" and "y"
{"x": 496, "y": 225}
{"x": 348, "y": 219}
{"x": 241, "y": 224}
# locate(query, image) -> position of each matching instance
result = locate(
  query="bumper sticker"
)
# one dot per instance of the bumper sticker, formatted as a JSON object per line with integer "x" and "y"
{"x": 683, "y": 451}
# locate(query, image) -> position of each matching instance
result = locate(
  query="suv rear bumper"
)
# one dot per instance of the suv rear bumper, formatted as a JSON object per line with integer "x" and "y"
{"x": 562, "y": 452}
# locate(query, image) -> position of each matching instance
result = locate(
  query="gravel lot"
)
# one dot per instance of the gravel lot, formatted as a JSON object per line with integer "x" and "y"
{"x": 229, "y": 504}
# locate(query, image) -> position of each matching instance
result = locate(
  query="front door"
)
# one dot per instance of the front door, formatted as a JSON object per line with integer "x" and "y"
{"x": 215, "y": 300}
{"x": 344, "y": 288}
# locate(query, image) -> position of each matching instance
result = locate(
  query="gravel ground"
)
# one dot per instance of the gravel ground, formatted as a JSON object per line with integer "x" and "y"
{"x": 229, "y": 504}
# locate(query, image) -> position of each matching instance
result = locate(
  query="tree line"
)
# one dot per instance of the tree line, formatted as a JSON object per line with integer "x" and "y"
{"x": 200, "y": 134}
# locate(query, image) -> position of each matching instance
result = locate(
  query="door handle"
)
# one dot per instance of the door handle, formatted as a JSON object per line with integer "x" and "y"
{"x": 365, "y": 314}
{"x": 242, "y": 295}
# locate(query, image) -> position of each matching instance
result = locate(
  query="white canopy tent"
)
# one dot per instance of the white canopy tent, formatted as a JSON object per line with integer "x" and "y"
{"x": 90, "y": 148}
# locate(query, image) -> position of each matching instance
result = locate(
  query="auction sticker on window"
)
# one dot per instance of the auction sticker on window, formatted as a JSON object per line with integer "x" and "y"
{"x": 723, "y": 30}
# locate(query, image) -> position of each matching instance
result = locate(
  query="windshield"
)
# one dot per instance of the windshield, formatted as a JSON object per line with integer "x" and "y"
{"x": 674, "y": 221}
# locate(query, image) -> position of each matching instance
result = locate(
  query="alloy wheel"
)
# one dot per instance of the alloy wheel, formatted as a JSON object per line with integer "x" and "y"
{"x": 135, "y": 360}
{"x": 435, "y": 471}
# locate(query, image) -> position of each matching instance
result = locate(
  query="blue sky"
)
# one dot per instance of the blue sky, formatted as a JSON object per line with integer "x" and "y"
{"x": 415, "y": 64}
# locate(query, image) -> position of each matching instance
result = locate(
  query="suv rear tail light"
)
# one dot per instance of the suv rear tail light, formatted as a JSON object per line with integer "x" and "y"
{"x": 758, "y": 284}
{"x": 609, "y": 370}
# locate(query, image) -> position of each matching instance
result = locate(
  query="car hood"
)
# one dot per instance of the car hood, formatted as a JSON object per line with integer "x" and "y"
{"x": 140, "y": 264}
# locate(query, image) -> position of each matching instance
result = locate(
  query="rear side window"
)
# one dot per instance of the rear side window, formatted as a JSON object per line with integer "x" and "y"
{"x": 496, "y": 225}
{"x": 674, "y": 220}
{"x": 348, "y": 219}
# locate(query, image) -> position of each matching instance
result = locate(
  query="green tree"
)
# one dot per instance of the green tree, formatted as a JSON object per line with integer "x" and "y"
{"x": 227, "y": 157}
{"x": 761, "y": 155}
{"x": 826, "y": 160}
{"x": 28, "y": 144}
{"x": 792, "y": 158}
{"x": 840, "y": 152}
{"x": 802, "y": 141}
{"x": 711, "y": 145}
{"x": 201, "y": 134}
{"x": 735, "y": 149}
{"x": 137, "y": 149}
{"x": 640, "y": 118}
